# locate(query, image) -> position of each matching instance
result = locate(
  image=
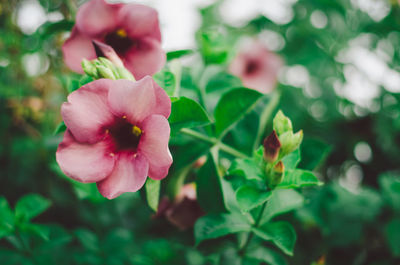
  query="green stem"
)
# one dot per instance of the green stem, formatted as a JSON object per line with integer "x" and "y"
{"x": 226, "y": 148}
{"x": 242, "y": 250}
{"x": 265, "y": 117}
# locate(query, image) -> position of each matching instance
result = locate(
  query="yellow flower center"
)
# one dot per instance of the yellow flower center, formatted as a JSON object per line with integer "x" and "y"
{"x": 136, "y": 130}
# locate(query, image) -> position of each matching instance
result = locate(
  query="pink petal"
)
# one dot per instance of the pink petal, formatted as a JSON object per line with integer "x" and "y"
{"x": 140, "y": 21}
{"x": 87, "y": 113}
{"x": 97, "y": 17}
{"x": 154, "y": 145}
{"x": 84, "y": 162}
{"x": 135, "y": 100}
{"x": 76, "y": 48}
{"x": 129, "y": 175}
{"x": 145, "y": 58}
{"x": 163, "y": 102}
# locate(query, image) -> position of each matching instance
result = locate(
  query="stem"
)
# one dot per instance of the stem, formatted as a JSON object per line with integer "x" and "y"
{"x": 265, "y": 117}
{"x": 243, "y": 249}
{"x": 226, "y": 148}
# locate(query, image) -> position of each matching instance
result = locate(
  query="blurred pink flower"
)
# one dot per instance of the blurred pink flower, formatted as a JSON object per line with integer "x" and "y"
{"x": 132, "y": 30}
{"x": 184, "y": 211}
{"x": 257, "y": 67}
{"x": 117, "y": 135}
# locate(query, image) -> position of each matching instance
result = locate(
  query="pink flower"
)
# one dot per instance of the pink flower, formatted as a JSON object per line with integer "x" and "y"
{"x": 184, "y": 211}
{"x": 117, "y": 135}
{"x": 257, "y": 67}
{"x": 132, "y": 30}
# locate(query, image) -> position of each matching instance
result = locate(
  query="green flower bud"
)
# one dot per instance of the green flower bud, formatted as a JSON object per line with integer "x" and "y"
{"x": 290, "y": 142}
{"x": 105, "y": 72}
{"x": 282, "y": 123}
{"x": 89, "y": 68}
{"x": 276, "y": 175}
{"x": 123, "y": 73}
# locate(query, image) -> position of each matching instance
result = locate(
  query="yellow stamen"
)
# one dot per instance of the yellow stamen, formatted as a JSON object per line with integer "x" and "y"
{"x": 122, "y": 33}
{"x": 136, "y": 130}
{"x": 124, "y": 117}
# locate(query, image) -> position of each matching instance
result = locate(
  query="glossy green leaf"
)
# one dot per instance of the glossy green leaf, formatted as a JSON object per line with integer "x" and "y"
{"x": 250, "y": 197}
{"x": 314, "y": 152}
{"x": 282, "y": 234}
{"x": 246, "y": 168}
{"x": 282, "y": 201}
{"x": 221, "y": 81}
{"x": 217, "y": 225}
{"x": 187, "y": 113}
{"x": 60, "y": 128}
{"x": 153, "y": 193}
{"x": 177, "y": 54}
{"x": 266, "y": 255}
{"x": 292, "y": 160}
{"x": 232, "y": 107}
{"x": 30, "y": 206}
{"x": 297, "y": 178}
{"x": 209, "y": 187}
{"x": 166, "y": 80}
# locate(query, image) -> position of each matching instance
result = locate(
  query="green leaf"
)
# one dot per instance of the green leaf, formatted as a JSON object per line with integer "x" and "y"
{"x": 6, "y": 218}
{"x": 177, "y": 54}
{"x": 282, "y": 201}
{"x": 217, "y": 225}
{"x": 153, "y": 193}
{"x": 232, "y": 107}
{"x": 292, "y": 160}
{"x": 390, "y": 186}
{"x": 282, "y": 234}
{"x": 222, "y": 81}
{"x": 314, "y": 152}
{"x": 34, "y": 229}
{"x": 297, "y": 178}
{"x": 209, "y": 187}
{"x": 30, "y": 206}
{"x": 187, "y": 113}
{"x": 88, "y": 239}
{"x": 250, "y": 197}
{"x": 266, "y": 255}
{"x": 246, "y": 168}
{"x": 166, "y": 80}
{"x": 392, "y": 235}
{"x": 60, "y": 128}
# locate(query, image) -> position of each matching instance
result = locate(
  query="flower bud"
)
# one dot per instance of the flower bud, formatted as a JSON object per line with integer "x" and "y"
{"x": 290, "y": 142}
{"x": 89, "y": 68}
{"x": 276, "y": 175}
{"x": 106, "y": 51}
{"x": 282, "y": 123}
{"x": 271, "y": 147}
{"x": 105, "y": 72}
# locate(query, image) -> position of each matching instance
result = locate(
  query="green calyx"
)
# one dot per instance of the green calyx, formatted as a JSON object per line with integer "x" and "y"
{"x": 104, "y": 68}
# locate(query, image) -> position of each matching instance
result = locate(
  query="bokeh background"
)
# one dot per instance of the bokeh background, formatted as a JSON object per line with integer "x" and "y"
{"x": 340, "y": 83}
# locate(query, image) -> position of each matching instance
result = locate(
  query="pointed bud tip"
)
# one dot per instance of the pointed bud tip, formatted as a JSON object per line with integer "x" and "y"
{"x": 279, "y": 167}
{"x": 272, "y": 146}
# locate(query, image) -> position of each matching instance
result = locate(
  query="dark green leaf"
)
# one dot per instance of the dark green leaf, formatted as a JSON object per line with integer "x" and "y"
{"x": 282, "y": 201}
{"x": 314, "y": 152}
{"x": 153, "y": 193}
{"x": 266, "y": 255}
{"x": 232, "y": 107}
{"x": 60, "y": 128}
{"x": 209, "y": 187}
{"x": 187, "y": 113}
{"x": 250, "y": 197}
{"x": 392, "y": 234}
{"x": 34, "y": 229}
{"x": 390, "y": 185}
{"x": 222, "y": 81}
{"x": 30, "y": 206}
{"x": 177, "y": 54}
{"x": 217, "y": 225}
{"x": 88, "y": 239}
{"x": 6, "y": 218}
{"x": 282, "y": 234}
{"x": 298, "y": 178}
